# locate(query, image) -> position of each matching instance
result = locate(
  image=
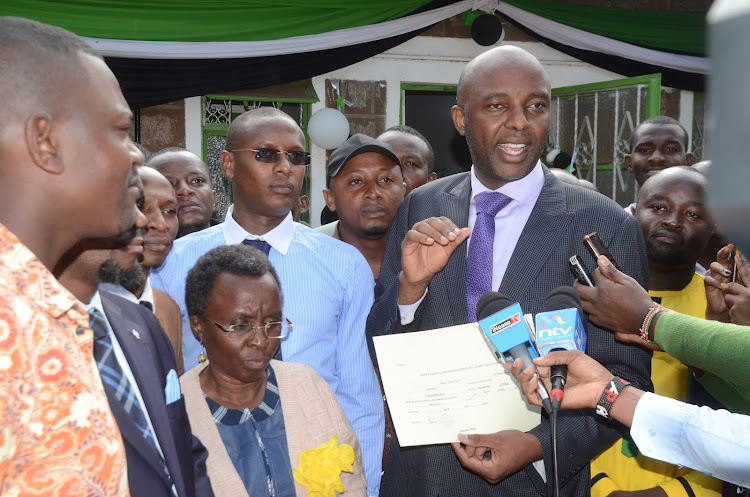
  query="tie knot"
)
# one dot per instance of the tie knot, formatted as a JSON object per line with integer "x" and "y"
{"x": 261, "y": 245}
{"x": 491, "y": 203}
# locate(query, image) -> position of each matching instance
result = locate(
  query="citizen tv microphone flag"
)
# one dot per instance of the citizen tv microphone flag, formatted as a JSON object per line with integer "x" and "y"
{"x": 559, "y": 327}
{"x": 506, "y": 333}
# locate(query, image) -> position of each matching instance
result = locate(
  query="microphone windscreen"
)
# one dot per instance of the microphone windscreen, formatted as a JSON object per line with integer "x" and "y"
{"x": 562, "y": 297}
{"x": 490, "y": 303}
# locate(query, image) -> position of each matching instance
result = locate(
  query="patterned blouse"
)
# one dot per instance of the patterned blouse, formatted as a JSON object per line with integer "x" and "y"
{"x": 58, "y": 435}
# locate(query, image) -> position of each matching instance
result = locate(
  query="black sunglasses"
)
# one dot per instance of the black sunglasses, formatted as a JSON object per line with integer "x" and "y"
{"x": 272, "y": 156}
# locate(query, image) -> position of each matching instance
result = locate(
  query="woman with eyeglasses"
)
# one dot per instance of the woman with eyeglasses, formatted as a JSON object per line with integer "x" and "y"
{"x": 255, "y": 415}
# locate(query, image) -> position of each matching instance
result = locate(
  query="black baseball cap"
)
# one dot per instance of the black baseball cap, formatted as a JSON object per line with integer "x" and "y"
{"x": 355, "y": 145}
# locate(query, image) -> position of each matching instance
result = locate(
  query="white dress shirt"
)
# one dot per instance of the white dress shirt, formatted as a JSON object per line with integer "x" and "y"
{"x": 715, "y": 442}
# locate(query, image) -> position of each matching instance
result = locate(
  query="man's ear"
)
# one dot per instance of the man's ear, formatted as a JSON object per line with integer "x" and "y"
{"x": 196, "y": 324}
{"x": 304, "y": 203}
{"x": 432, "y": 177}
{"x": 330, "y": 200}
{"x": 457, "y": 113}
{"x": 227, "y": 167}
{"x": 627, "y": 163}
{"x": 41, "y": 140}
{"x": 689, "y": 159}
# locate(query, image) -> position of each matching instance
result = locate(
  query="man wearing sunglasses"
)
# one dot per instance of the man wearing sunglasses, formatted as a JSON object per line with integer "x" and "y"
{"x": 327, "y": 284}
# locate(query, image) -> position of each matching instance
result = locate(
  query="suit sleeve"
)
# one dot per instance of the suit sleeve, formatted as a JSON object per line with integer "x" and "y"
{"x": 202, "y": 482}
{"x": 582, "y": 434}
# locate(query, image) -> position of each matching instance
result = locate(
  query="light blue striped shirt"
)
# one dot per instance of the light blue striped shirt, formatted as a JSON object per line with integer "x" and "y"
{"x": 328, "y": 292}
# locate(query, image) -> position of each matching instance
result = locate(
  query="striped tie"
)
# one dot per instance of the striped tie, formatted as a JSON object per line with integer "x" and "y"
{"x": 113, "y": 376}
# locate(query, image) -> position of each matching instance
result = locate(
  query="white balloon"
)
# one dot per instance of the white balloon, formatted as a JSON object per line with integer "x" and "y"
{"x": 551, "y": 155}
{"x": 328, "y": 128}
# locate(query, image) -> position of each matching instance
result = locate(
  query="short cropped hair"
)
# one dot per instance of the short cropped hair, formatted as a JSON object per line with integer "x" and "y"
{"x": 240, "y": 260}
{"x": 664, "y": 121}
{"x": 33, "y": 59}
{"x": 411, "y": 131}
{"x": 238, "y": 125}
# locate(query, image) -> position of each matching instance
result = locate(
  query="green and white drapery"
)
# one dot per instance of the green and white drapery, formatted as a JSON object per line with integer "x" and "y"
{"x": 171, "y": 33}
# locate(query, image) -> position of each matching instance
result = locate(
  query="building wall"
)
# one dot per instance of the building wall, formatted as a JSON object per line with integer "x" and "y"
{"x": 424, "y": 59}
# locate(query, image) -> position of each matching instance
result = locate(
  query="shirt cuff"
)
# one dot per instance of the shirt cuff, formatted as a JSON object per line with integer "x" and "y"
{"x": 657, "y": 426}
{"x": 408, "y": 311}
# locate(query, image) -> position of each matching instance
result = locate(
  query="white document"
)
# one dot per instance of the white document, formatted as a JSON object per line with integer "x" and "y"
{"x": 440, "y": 383}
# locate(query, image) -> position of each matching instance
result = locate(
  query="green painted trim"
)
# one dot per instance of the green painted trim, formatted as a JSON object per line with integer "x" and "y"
{"x": 648, "y": 80}
{"x": 653, "y": 96}
{"x": 451, "y": 88}
{"x": 429, "y": 87}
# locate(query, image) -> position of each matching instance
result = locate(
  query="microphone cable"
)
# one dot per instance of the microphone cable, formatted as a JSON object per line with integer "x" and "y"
{"x": 553, "y": 427}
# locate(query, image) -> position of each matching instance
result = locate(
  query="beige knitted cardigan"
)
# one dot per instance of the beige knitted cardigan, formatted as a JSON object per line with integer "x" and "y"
{"x": 311, "y": 416}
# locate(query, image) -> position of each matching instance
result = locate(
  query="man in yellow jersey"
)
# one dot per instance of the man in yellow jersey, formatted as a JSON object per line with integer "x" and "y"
{"x": 676, "y": 228}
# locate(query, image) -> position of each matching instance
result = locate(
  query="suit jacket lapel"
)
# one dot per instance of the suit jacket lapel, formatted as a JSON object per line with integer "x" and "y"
{"x": 454, "y": 204}
{"x": 547, "y": 223}
{"x": 141, "y": 361}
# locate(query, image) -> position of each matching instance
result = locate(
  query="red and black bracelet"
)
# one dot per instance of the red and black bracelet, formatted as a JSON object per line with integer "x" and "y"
{"x": 609, "y": 396}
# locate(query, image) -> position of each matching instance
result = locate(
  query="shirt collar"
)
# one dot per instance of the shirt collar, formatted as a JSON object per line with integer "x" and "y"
{"x": 96, "y": 303}
{"x": 121, "y": 291}
{"x": 521, "y": 191}
{"x": 279, "y": 238}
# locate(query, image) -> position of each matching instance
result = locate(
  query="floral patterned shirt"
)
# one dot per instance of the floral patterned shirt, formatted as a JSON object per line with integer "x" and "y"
{"x": 57, "y": 434}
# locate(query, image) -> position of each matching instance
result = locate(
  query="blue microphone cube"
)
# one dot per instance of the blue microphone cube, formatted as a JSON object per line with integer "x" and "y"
{"x": 506, "y": 329}
{"x": 560, "y": 329}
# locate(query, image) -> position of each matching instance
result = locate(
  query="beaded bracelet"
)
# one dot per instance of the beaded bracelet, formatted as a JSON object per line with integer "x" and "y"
{"x": 609, "y": 396}
{"x": 647, "y": 321}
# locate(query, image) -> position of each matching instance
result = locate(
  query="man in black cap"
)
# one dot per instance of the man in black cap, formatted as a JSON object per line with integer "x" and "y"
{"x": 365, "y": 186}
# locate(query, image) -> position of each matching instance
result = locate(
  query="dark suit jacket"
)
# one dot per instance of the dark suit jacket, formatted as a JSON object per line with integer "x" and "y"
{"x": 150, "y": 357}
{"x": 554, "y": 231}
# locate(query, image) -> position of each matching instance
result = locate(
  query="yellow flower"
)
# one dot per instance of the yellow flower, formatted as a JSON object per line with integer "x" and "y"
{"x": 319, "y": 468}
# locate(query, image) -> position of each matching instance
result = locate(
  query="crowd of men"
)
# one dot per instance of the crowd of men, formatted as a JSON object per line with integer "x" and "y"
{"x": 96, "y": 242}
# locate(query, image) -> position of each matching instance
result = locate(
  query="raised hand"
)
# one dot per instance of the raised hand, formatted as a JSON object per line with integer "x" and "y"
{"x": 425, "y": 252}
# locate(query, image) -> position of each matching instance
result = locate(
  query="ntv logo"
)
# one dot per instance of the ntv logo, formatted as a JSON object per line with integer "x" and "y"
{"x": 546, "y": 331}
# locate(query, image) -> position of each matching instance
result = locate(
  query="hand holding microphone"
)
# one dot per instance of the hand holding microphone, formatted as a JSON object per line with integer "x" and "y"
{"x": 505, "y": 330}
{"x": 559, "y": 327}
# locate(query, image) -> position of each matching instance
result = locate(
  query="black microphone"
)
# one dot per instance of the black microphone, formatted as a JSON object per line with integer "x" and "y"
{"x": 559, "y": 327}
{"x": 506, "y": 331}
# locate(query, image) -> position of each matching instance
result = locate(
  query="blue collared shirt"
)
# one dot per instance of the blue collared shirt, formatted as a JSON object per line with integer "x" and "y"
{"x": 327, "y": 287}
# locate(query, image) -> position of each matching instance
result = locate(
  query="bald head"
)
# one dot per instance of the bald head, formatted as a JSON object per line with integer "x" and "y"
{"x": 703, "y": 167}
{"x": 35, "y": 59}
{"x": 673, "y": 176}
{"x": 501, "y": 59}
{"x": 240, "y": 125}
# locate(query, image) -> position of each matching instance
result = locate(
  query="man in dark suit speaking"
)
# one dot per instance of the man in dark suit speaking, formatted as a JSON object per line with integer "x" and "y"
{"x": 522, "y": 226}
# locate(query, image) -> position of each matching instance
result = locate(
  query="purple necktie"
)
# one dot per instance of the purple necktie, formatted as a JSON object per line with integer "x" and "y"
{"x": 479, "y": 260}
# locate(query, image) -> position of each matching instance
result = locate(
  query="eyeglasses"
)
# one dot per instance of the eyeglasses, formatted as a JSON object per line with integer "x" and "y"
{"x": 272, "y": 156}
{"x": 245, "y": 331}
